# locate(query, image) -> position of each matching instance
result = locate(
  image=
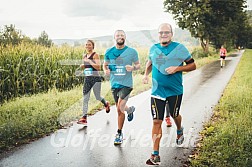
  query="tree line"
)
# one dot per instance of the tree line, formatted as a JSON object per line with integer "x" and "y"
{"x": 214, "y": 22}
{"x": 9, "y": 35}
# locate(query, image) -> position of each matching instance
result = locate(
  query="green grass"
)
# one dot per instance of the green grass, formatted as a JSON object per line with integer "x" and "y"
{"x": 206, "y": 60}
{"x": 27, "y": 118}
{"x": 228, "y": 142}
{"x": 34, "y": 116}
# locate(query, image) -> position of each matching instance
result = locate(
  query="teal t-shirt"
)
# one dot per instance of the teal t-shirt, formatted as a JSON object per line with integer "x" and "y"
{"x": 117, "y": 59}
{"x": 163, "y": 84}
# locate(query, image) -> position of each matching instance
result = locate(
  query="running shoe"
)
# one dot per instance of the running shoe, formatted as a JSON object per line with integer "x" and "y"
{"x": 82, "y": 120}
{"x": 154, "y": 160}
{"x": 180, "y": 136}
{"x": 118, "y": 139}
{"x": 107, "y": 107}
{"x": 168, "y": 121}
{"x": 130, "y": 113}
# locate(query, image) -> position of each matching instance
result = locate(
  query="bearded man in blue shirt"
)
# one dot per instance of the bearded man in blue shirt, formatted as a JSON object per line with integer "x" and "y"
{"x": 166, "y": 61}
{"x": 119, "y": 62}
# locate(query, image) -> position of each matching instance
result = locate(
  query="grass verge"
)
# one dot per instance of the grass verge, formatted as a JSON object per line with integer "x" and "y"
{"x": 27, "y": 118}
{"x": 226, "y": 139}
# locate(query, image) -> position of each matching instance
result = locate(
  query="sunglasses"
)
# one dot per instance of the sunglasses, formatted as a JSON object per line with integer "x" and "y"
{"x": 164, "y": 32}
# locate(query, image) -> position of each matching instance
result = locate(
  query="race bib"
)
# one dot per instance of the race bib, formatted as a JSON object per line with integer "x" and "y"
{"x": 120, "y": 70}
{"x": 88, "y": 71}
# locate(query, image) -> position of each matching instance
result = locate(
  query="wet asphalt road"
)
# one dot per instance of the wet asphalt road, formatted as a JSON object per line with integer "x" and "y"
{"x": 93, "y": 146}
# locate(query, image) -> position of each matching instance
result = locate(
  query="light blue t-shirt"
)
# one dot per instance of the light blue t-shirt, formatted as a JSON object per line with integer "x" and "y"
{"x": 117, "y": 59}
{"x": 163, "y": 84}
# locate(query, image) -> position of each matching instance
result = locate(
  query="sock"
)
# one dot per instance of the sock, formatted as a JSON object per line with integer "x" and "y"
{"x": 155, "y": 152}
{"x": 103, "y": 102}
{"x": 180, "y": 131}
{"x": 129, "y": 110}
{"x": 119, "y": 131}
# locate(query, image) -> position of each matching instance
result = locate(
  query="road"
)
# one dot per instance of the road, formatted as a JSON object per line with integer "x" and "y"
{"x": 92, "y": 146}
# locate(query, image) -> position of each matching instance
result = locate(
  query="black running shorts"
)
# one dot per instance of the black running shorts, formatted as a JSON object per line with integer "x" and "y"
{"x": 158, "y": 106}
{"x": 122, "y": 93}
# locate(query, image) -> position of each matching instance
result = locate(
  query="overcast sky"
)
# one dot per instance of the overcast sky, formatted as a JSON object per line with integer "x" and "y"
{"x": 76, "y": 19}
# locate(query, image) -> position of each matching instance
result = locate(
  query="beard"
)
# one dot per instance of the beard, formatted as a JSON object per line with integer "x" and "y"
{"x": 120, "y": 43}
{"x": 165, "y": 42}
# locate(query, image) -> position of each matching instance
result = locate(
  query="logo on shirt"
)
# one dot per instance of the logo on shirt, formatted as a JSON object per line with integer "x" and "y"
{"x": 160, "y": 60}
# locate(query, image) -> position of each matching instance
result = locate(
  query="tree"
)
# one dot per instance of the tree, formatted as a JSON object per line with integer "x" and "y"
{"x": 228, "y": 22}
{"x": 245, "y": 37}
{"x": 212, "y": 21}
{"x": 249, "y": 14}
{"x": 44, "y": 40}
{"x": 191, "y": 15}
{"x": 10, "y": 35}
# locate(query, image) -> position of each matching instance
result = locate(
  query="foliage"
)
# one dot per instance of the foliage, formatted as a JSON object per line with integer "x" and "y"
{"x": 199, "y": 53}
{"x": 213, "y": 22}
{"x": 191, "y": 15}
{"x": 12, "y": 36}
{"x": 9, "y": 35}
{"x": 32, "y": 117}
{"x": 29, "y": 69}
{"x": 228, "y": 23}
{"x": 44, "y": 40}
{"x": 247, "y": 36}
{"x": 249, "y": 13}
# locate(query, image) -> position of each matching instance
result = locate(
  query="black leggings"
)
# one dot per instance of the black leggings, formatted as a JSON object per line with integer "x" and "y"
{"x": 89, "y": 83}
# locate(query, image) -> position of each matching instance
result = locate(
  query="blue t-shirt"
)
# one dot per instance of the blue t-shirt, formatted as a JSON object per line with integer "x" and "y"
{"x": 164, "y": 84}
{"x": 117, "y": 59}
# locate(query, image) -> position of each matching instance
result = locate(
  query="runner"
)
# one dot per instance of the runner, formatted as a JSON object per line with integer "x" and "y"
{"x": 118, "y": 64}
{"x": 92, "y": 80}
{"x": 166, "y": 61}
{"x": 223, "y": 53}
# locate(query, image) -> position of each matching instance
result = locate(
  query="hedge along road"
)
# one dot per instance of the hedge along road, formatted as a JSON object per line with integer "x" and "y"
{"x": 93, "y": 145}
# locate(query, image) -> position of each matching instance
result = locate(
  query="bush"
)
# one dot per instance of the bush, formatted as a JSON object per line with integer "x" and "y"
{"x": 196, "y": 53}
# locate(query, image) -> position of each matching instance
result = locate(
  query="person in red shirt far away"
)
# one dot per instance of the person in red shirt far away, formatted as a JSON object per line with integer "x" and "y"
{"x": 223, "y": 53}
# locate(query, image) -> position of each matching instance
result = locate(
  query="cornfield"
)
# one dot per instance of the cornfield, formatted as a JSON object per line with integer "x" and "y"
{"x": 29, "y": 69}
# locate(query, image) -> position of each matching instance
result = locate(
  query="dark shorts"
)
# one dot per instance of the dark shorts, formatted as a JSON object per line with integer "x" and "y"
{"x": 89, "y": 83}
{"x": 122, "y": 93}
{"x": 158, "y": 106}
{"x": 222, "y": 57}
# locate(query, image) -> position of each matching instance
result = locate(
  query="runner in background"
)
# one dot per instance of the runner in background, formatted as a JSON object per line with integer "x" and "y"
{"x": 223, "y": 53}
